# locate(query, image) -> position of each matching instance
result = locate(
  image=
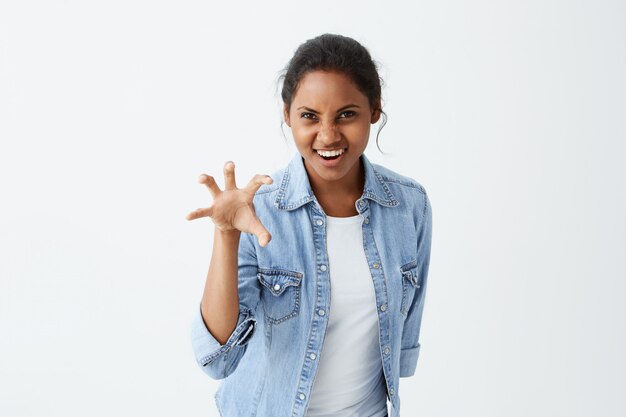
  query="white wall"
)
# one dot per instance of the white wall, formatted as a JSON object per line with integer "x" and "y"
{"x": 510, "y": 113}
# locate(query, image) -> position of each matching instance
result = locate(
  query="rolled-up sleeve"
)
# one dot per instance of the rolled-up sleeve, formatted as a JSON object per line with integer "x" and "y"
{"x": 220, "y": 360}
{"x": 410, "y": 348}
{"x": 216, "y": 359}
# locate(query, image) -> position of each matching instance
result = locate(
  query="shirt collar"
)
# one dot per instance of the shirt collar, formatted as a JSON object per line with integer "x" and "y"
{"x": 295, "y": 188}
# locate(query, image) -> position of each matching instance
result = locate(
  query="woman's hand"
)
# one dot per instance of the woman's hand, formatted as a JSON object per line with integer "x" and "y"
{"x": 232, "y": 209}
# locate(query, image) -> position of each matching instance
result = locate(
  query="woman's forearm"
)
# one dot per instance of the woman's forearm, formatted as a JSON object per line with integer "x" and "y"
{"x": 220, "y": 301}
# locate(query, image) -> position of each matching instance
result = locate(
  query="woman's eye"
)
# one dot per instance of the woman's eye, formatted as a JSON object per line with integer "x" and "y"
{"x": 344, "y": 115}
{"x": 347, "y": 114}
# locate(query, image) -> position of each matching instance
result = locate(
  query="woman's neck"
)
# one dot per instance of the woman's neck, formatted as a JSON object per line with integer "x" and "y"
{"x": 337, "y": 198}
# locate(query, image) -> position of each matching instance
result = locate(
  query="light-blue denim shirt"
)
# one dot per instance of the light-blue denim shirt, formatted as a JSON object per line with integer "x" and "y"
{"x": 270, "y": 360}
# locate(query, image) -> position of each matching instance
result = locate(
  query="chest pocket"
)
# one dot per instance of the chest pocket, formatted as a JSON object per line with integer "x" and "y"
{"x": 280, "y": 293}
{"x": 411, "y": 284}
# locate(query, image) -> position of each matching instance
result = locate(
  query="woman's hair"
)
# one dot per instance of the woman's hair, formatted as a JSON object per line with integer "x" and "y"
{"x": 330, "y": 52}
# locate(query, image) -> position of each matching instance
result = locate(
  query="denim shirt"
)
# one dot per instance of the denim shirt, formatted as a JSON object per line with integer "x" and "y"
{"x": 269, "y": 362}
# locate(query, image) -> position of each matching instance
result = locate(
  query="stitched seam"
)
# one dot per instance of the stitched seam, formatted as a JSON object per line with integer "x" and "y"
{"x": 401, "y": 182}
{"x": 283, "y": 287}
{"x": 409, "y": 265}
{"x": 293, "y": 313}
{"x": 281, "y": 190}
{"x": 232, "y": 340}
{"x": 295, "y": 281}
{"x": 280, "y": 271}
{"x": 388, "y": 203}
{"x": 385, "y": 187}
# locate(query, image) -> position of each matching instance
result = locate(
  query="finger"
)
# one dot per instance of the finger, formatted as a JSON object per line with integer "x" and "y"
{"x": 260, "y": 232}
{"x": 210, "y": 183}
{"x": 201, "y": 212}
{"x": 229, "y": 175}
{"x": 257, "y": 181}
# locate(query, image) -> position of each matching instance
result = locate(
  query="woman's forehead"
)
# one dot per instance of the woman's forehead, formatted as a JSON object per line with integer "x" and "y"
{"x": 327, "y": 88}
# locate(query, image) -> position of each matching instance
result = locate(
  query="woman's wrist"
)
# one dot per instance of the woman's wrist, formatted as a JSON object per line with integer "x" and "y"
{"x": 231, "y": 233}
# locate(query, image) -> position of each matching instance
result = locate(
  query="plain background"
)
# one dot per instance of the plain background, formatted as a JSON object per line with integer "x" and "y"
{"x": 511, "y": 114}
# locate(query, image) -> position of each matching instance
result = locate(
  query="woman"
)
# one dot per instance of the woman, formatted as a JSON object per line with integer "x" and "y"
{"x": 287, "y": 342}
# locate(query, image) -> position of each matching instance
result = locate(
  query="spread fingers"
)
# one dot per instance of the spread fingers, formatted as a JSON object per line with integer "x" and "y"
{"x": 229, "y": 175}
{"x": 210, "y": 183}
{"x": 201, "y": 212}
{"x": 257, "y": 181}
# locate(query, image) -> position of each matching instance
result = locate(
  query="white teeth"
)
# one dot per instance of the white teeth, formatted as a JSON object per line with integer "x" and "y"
{"x": 330, "y": 153}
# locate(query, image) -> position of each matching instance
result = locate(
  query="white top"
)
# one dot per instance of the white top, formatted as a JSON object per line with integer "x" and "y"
{"x": 350, "y": 380}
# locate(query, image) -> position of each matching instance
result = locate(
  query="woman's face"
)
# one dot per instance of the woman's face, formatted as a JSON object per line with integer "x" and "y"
{"x": 329, "y": 113}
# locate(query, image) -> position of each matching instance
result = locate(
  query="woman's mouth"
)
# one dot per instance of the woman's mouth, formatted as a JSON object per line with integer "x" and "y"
{"x": 330, "y": 158}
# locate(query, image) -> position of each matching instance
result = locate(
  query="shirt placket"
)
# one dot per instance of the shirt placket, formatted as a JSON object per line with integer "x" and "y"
{"x": 380, "y": 288}
{"x": 321, "y": 310}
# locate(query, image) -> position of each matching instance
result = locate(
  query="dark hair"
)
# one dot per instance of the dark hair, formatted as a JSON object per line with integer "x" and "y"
{"x": 331, "y": 52}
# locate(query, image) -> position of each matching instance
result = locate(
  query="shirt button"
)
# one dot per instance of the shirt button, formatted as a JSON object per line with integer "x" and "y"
{"x": 386, "y": 351}
{"x": 367, "y": 220}
{"x": 312, "y": 356}
{"x": 383, "y": 307}
{"x": 321, "y": 312}
{"x": 376, "y": 265}
{"x": 391, "y": 391}
{"x": 302, "y": 396}
{"x": 323, "y": 268}
{"x": 318, "y": 222}
{"x": 276, "y": 287}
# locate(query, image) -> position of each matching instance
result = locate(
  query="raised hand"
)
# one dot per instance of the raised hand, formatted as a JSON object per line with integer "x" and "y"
{"x": 232, "y": 209}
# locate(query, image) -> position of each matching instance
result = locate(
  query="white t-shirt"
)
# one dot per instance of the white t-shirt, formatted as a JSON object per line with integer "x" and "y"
{"x": 350, "y": 380}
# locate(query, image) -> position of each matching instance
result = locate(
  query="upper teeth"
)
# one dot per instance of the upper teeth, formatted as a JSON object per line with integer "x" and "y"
{"x": 330, "y": 153}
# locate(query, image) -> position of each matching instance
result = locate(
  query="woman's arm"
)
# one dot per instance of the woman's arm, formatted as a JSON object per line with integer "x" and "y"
{"x": 224, "y": 323}
{"x": 410, "y": 348}
{"x": 220, "y": 301}
{"x": 219, "y": 354}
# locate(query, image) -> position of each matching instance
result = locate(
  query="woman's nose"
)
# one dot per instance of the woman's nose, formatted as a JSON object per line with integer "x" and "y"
{"x": 328, "y": 133}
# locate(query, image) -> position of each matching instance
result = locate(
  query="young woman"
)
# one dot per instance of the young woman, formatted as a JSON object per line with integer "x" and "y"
{"x": 315, "y": 290}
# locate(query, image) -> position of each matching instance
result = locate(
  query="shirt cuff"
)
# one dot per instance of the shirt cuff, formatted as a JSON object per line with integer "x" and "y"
{"x": 408, "y": 361}
{"x": 207, "y": 348}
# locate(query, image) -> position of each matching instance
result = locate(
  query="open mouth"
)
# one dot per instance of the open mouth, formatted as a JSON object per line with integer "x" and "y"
{"x": 331, "y": 155}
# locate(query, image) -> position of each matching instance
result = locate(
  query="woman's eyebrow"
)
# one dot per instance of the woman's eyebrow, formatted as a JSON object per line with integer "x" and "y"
{"x": 315, "y": 111}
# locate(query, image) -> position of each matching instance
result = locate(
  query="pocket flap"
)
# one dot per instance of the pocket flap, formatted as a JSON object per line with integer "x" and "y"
{"x": 276, "y": 280}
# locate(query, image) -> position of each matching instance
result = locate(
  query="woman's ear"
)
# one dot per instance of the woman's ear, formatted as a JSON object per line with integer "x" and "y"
{"x": 376, "y": 112}
{"x": 286, "y": 115}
